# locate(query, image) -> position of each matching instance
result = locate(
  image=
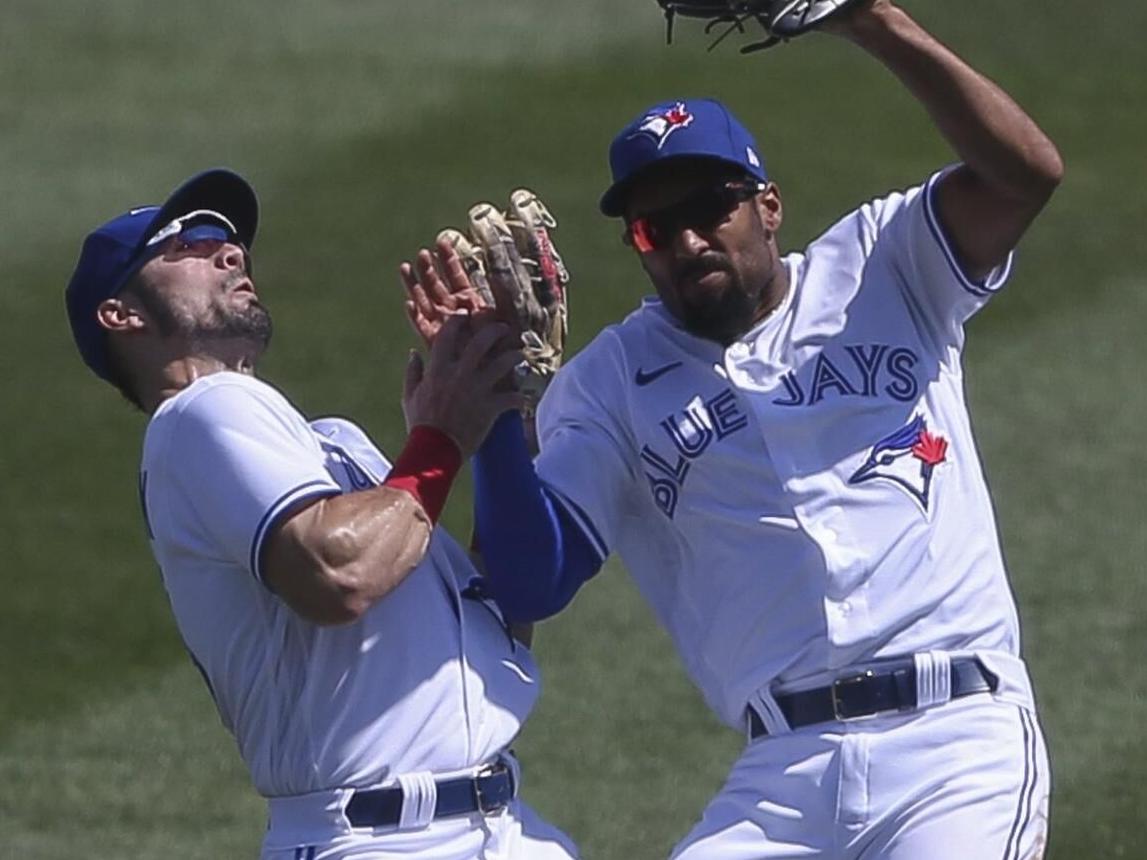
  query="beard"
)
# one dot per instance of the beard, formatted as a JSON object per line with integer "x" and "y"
{"x": 222, "y": 324}
{"x": 252, "y": 323}
{"x": 721, "y": 315}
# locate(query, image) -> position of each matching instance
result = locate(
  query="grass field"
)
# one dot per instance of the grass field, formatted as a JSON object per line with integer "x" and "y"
{"x": 367, "y": 125}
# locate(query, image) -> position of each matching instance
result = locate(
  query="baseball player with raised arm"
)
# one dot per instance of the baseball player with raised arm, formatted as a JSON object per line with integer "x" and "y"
{"x": 373, "y": 696}
{"x": 778, "y": 447}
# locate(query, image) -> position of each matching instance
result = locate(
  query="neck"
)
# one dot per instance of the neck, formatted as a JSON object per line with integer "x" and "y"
{"x": 178, "y": 373}
{"x": 774, "y": 292}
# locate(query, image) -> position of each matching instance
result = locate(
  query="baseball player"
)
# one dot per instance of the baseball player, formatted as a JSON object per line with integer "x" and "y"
{"x": 372, "y": 694}
{"x": 778, "y": 448}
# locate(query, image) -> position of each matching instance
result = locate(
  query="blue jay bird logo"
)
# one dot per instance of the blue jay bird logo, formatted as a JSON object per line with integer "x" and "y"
{"x": 907, "y": 457}
{"x": 662, "y": 122}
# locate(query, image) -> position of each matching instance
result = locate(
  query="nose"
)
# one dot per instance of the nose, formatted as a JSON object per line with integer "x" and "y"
{"x": 689, "y": 243}
{"x": 231, "y": 256}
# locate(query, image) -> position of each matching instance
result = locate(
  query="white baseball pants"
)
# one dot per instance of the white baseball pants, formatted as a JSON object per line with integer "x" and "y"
{"x": 515, "y": 833}
{"x": 968, "y": 779}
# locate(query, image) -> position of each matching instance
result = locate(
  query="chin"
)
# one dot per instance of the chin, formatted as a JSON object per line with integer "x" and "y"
{"x": 722, "y": 321}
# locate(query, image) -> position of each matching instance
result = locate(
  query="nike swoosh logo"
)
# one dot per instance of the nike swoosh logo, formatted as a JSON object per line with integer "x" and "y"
{"x": 643, "y": 378}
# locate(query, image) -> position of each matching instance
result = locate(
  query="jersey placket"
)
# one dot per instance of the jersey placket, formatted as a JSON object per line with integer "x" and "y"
{"x": 756, "y": 366}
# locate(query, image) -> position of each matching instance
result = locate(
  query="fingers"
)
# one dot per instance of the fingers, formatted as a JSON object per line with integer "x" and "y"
{"x": 417, "y": 293}
{"x": 428, "y": 276}
{"x": 424, "y": 328}
{"x": 468, "y": 279}
{"x": 457, "y": 281}
{"x": 438, "y": 287}
{"x": 425, "y": 287}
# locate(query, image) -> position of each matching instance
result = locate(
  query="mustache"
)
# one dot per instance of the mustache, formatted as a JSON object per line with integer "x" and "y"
{"x": 701, "y": 266}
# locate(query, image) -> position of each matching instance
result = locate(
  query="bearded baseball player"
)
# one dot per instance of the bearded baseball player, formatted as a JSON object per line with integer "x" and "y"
{"x": 372, "y": 694}
{"x": 778, "y": 448}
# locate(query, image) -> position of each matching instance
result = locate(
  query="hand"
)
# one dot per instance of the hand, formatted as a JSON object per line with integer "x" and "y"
{"x": 462, "y": 388}
{"x": 850, "y": 23}
{"x": 436, "y": 289}
{"x": 505, "y": 267}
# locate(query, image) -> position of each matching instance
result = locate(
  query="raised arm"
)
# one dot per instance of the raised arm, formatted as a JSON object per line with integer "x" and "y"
{"x": 1010, "y": 167}
{"x": 335, "y": 557}
{"x": 533, "y": 556}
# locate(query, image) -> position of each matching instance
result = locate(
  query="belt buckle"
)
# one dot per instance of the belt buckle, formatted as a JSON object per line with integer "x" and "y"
{"x": 488, "y": 804}
{"x": 839, "y": 685}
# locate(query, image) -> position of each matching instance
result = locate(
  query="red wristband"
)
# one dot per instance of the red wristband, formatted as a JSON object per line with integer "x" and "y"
{"x": 426, "y": 468}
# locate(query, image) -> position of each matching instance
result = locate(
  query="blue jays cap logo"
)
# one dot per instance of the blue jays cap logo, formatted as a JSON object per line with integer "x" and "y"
{"x": 662, "y": 122}
{"x": 907, "y": 458}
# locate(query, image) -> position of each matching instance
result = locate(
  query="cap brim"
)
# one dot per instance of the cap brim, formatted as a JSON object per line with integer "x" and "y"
{"x": 219, "y": 189}
{"x": 612, "y": 201}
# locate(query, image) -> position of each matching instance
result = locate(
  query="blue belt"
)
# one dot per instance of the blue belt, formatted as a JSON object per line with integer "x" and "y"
{"x": 485, "y": 793}
{"x": 887, "y": 686}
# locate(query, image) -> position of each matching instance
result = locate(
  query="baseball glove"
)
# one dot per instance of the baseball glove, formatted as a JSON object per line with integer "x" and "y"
{"x": 780, "y": 19}
{"x": 513, "y": 265}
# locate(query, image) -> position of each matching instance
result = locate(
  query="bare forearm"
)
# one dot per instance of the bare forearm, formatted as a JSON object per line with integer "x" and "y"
{"x": 334, "y": 560}
{"x": 1010, "y": 167}
{"x": 990, "y": 133}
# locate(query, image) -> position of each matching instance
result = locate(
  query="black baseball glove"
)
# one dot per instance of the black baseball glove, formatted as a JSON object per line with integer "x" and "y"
{"x": 780, "y": 19}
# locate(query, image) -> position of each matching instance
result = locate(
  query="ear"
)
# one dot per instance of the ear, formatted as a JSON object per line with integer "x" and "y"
{"x": 770, "y": 208}
{"x": 116, "y": 314}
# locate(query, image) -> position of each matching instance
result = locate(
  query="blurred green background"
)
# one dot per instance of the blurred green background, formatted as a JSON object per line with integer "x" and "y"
{"x": 366, "y": 125}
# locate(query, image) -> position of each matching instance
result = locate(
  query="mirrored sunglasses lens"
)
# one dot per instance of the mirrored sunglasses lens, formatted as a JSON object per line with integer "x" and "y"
{"x": 206, "y": 232}
{"x": 701, "y": 211}
{"x": 208, "y": 221}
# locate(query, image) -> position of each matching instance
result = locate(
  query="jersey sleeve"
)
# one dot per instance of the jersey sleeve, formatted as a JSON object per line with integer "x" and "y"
{"x": 237, "y": 459}
{"x": 586, "y": 461}
{"x": 906, "y": 227}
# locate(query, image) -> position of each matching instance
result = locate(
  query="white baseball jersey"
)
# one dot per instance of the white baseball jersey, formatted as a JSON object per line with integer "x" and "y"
{"x": 809, "y": 497}
{"x": 426, "y": 680}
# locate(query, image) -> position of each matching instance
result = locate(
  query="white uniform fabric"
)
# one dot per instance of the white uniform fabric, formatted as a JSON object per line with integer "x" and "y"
{"x": 426, "y": 681}
{"x": 968, "y": 781}
{"x": 809, "y": 498}
{"x": 515, "y": 833}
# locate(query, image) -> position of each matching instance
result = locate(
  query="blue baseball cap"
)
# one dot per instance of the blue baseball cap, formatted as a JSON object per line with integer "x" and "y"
{"x": 217, "y": 203}
{"x": 694, "y": 128}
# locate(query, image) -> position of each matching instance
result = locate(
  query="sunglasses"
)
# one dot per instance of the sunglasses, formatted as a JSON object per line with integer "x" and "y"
{"x": 702, "y": 210}
{"x": 202, "y": 224}
{"x": 198, "y": 218}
